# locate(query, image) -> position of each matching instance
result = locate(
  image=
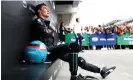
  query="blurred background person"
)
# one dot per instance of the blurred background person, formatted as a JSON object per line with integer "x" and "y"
{"x": 78, "y": 32}
{"x": 62, "y": 32}
{"x": 89, "y": 30}
{"x": 131, "y": 30}
{"x": 102, "y": 30}
{"x": 68, "y": 30}
{"x": 118, "y": 30}
{"x": 99, "y": 29}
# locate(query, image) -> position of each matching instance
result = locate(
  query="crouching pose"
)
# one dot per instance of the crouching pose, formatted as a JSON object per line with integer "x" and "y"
{"x": 42, "y": 31}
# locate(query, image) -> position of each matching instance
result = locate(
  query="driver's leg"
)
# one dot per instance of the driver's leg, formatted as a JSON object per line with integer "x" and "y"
{"x": 83, "y": 64}
{"x": 87, "y": 66}
{"x": 104, "y": 72}
{"x": 62, "y": 50}
{"x": 58, "y": 52}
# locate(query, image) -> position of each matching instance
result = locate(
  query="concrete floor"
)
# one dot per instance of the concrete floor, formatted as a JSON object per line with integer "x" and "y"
{"x": 122, "y": 59}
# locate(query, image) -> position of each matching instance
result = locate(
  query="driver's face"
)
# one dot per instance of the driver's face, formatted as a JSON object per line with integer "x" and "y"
{"x": 44, "y": 11}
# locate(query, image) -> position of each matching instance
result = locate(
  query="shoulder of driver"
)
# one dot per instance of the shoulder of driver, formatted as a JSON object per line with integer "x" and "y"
{"x": 42, "y": 22}
{"x": 37, "y": 21}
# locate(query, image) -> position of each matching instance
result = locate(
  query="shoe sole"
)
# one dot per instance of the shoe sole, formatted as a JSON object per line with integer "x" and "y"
{"x": 107, "y": 73}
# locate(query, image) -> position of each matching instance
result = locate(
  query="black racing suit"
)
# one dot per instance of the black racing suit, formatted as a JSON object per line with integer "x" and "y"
{"x": 42, "y": 31}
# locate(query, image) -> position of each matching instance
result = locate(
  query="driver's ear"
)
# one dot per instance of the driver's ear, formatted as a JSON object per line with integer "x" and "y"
{"x": 39, "y": 11}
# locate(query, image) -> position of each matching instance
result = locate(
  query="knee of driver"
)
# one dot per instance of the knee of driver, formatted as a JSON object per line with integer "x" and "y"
{"x": 81, "y": 61}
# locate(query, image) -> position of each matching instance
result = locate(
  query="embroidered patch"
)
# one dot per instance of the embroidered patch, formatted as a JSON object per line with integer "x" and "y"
{"x": 38, "y": 20}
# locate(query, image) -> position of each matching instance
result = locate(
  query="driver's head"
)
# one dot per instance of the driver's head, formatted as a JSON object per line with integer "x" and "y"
{"x": 42, "y": 10}
{"x": 77, "y": 19}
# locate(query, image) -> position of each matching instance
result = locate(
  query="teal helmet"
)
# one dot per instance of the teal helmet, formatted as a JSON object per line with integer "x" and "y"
{"x": 36, "y": 52}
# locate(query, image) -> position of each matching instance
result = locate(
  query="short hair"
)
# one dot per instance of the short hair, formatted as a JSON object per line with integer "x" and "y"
{"x": 39, "y": 6}
{"x": 61, "y": 24}
{"x": 77, "y": 19}
{"x": 99, "y": 25}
